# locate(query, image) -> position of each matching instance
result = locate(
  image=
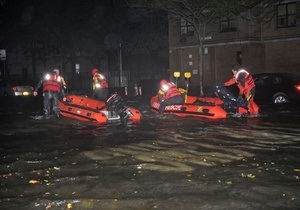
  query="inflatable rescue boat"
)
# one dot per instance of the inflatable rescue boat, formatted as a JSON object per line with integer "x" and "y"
{"x": 206, "y": 107}
{"x": 85, "y": 108}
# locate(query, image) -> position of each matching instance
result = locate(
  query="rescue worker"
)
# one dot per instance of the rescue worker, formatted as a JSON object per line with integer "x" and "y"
{"x": 168, "y": 94}
{"x": 245, "y": 83}
{"x": 52, "y": 86}
{"x": 63, "y": 82}
{"x": 100, "y": 85}
{"x": 136, "y": 90}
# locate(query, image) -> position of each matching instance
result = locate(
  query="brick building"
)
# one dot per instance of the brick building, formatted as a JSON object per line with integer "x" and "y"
{"x": 258, "y": 47}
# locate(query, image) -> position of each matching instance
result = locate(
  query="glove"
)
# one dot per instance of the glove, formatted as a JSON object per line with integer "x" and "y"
{"x": 240, "y": 97}
{"x": 241, "y": 102}
{"x": 244, "y": 104}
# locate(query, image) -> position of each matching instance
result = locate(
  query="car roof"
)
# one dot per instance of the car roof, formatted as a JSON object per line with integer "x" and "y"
{"x": 285, "y": 75}
{"x": 276, "y": 74}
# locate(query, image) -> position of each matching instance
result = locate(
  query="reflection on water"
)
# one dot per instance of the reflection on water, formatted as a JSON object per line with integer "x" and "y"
{"x": 162, "y": 163}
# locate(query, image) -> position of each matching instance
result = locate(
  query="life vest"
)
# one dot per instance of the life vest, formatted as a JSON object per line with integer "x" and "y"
{"x": 99, "y": 81}
{"x": 52, "y": 82}
{"x": 170, "y": 90}
{"x": 63, "y": 81}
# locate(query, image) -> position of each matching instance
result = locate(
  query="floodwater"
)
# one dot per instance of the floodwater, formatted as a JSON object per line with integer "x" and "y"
{"x": 161, "y": 163}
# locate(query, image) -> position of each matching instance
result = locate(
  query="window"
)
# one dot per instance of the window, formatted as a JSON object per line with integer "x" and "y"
{"x": 286, "y": 15}
{"x": 271, "y": 80}
{"x": 239, "y": 57}
{"x": 186, "y": 29}
{"x": 228, "y": 24}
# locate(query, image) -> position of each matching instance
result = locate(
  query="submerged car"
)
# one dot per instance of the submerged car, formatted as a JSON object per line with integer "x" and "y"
{"x": 276, "y": 88}
{"x": 8, "y": 88}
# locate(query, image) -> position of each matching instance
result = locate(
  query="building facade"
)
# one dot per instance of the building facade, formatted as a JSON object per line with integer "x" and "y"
{"x": 266, "y": 46}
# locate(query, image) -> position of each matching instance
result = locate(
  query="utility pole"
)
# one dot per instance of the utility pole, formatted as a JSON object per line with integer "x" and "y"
{"x": 2, "y": 60}
{"x": 121, "y": 70}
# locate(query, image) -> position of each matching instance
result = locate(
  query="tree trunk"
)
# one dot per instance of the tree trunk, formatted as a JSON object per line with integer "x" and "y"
{"x": 33, "y": 59}
{"x": 200, "y": 59}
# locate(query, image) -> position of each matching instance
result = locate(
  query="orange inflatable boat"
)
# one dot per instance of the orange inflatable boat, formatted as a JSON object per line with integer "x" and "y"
{"x": 206, "y": 107}
{"x": 194, "y": 107}
{"x": 85, "y": 108}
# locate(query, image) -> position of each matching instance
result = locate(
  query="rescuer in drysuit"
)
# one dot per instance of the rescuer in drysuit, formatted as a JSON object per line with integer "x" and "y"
{"x": 245, "y": 83}
{"x": 100, "y": 85}
{"x": 52, "y": 86}
{"x": 168, "y": 94}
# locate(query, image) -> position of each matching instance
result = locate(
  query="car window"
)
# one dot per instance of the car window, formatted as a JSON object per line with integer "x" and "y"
{"x": 257, "y": 80}
{"x": 270, "y": 80}
{"x": 293, "y": 78}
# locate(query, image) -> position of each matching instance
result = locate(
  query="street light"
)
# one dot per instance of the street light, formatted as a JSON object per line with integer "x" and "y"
{"x": 176, "y": 75}
{"x": 187, "y": 75}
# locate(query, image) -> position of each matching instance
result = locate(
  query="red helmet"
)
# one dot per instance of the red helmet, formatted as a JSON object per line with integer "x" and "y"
{"x": 162, "y": 82}
{"x": 95, "y": 70}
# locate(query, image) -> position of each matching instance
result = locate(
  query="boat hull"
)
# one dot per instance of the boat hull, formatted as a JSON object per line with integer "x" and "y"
{"x": 87, "y": 109}
{"x": 194, "y": 107}
{"x": 201, "y": 107}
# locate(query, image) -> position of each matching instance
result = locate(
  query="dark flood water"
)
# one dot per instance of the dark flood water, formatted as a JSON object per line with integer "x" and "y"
{"x": 161, "y": 163}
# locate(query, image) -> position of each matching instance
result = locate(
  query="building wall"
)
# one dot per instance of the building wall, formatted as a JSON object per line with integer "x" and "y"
{"x": 263, "y": 48}
{"x": 283, "y": 56}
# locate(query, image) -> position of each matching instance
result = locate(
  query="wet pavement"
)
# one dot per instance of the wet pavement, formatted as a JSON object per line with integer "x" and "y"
{"x": 162, "y": 163}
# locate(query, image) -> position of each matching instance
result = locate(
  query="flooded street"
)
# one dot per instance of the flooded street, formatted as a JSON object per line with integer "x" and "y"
{"x": 162, "y": 163}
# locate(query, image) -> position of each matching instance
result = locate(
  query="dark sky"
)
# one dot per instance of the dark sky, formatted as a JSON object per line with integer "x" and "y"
{"x": 93, "y": 28}
{"x": 84, "y": 18}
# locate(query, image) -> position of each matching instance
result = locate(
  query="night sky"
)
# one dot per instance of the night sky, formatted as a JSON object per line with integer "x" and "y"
{"x": 93, "y": 28}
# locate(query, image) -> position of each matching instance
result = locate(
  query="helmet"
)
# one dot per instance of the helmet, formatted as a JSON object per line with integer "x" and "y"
{"x": 56, "y": 71}
{"x": 242, "y": 73}
{"x": 162, "y": 82}
{"x": 95, "y": 70}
